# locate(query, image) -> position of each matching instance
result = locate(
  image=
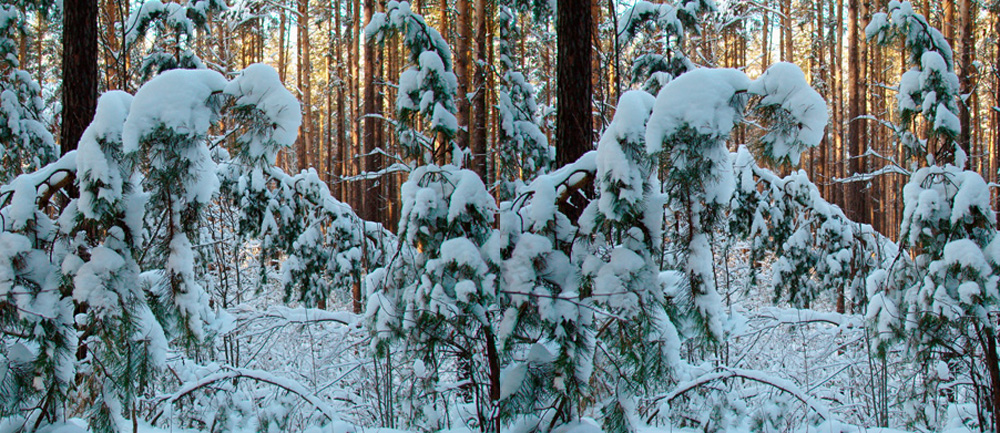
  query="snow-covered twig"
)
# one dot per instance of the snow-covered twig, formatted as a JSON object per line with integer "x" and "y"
{"x": 723, "y": 373}
{"x": 227, "y": 373}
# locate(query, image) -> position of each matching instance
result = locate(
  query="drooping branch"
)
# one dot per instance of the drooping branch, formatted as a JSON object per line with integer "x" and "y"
{"x": 723, "y": 373}
{"x": 229, "y": 373}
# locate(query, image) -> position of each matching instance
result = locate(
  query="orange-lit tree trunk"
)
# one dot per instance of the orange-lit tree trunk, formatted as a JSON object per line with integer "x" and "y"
{"x": 464, "y": 37}
{"x": 372, "y": 198}
{"x": 967, "y": 73}
{"x": 305, "y": 144}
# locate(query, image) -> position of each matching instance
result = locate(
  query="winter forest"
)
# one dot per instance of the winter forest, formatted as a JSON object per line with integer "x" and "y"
{"x": 499, "y": 216}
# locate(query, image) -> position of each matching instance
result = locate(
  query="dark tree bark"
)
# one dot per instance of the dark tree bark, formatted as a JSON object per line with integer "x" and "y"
{"x": 79, "y": 92}
{"x": 574, "y": 131}
{"x": 992, "y": 362}
{"x": 477, "y": 134}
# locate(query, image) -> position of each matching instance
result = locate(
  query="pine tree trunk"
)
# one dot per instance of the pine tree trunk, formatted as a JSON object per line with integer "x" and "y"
{"x": 597, "y": 73}
{"x": 336, "y": 166}
{"x": 111, "y": 44}
{"x": 491, "y": 87}
{"x": 480, "y": 113}
{"x": 493, "y": 361}
{"x": 616, "y": 53}
{"x": 821, "y": 177}
{"x": 355, "y": 63}
{"x": 765, "y": 41}
{"x": 43, "y": 26}
{"x": 989, "y": 342}
{"x": 282, "y": 160}
{"x": 948, "y": 26}
{"x": 371, "y": 195}
{"x": 966, "y": 73}
{"x": 855, "y": 194}
{"x": 786, "y": 30}
{"x": 79, "y": 84}
{"x": 789, "y": 28}
{"x": 443, "y": 24}
{"x": 390, "y": 141}
{"x": 305, "y": 144}
{"x": 464, "y": 114}
{"x": 996, "y": 97}
{"x": 282, "y": 56}
{"x": 574, "y": 132}
{"x": 22, "y": 50}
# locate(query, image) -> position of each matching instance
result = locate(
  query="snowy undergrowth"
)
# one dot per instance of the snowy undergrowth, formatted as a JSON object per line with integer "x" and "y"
{"x": 194, "y": 286}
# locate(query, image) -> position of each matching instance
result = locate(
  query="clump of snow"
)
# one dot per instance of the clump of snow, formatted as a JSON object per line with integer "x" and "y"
{"x": 259, "y": 88}
{"x": 621, "y": 143}
{"x": 803, "y": 122}
{"x": 180, "y": 100}
{"x": 708, "y": 108}
{"x": 99, "y": 162}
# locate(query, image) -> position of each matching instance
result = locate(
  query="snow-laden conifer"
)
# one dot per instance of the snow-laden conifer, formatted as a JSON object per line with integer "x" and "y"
{"x": 27, "y": 145}
{"x": 426, "y": 88}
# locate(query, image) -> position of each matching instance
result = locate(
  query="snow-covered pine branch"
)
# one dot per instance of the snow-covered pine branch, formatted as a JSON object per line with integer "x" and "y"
{"x": 426, "y": 88}
{"x": 173, "y": 27}
{"x": 27, "y": 144}
{"x": 673, "y": 22}
{"x": 524, "y": 150}
{"x": 930, "y": 88}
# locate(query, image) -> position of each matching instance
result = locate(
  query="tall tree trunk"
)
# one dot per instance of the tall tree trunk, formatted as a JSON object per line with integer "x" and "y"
{"x": 597, "y": 73}
{"x": 356, "y": 187}
{"x": 480, "y": 110}
{"x": 948, "y": 25}
{"x": 306, "y": 143}
{"x": 867, "y": 204}
{"x": 22, "y": 50}
{"x": 765, "y": 44}
{"x": 79, "y": 84}
{"x": 352, "y": 164}
{"x": 616, "y": 53}
{"x": 443, "y": 25}
{"x": 43, "y": 25}
{"x": 336, "y": 166}
{"x": 789, "y": 29}
{"x": 822, "y": 77}
{"x": 574, "y": 129}
{"x": 855, "y": 195}
{"x": 786, "y": 30}
{"x": 372, "y": 199}
{"x": 839, "y": 165}
{"x": 574, "y": 112}
{"x": 282, "y": 56}
{"x": 464, "y": 115}
{"x": 967, "y": 73}
{"x": 282, "y": 73}
{"x": 390, "y": 141}
{"x": 491, "y": 87}
{"x": 989, "y": 342}
{"x": 377, "y": 159}
{"x": 995, "y": 155}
